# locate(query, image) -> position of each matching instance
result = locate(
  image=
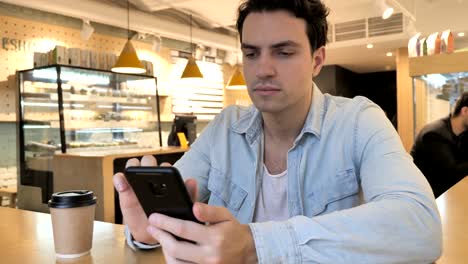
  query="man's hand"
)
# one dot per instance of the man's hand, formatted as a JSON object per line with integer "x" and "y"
{"x": 225, "y": 240}
{"x": 133, "y": 215}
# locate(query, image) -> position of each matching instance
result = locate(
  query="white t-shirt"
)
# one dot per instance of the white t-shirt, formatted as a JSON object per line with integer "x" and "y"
{"x": 272, "y": 201}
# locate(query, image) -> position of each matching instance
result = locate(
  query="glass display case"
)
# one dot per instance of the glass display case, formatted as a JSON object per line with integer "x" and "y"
{"x": 435, "y": 96}
{"x": 69, "y": 109}
{"x": 437, "y": 83}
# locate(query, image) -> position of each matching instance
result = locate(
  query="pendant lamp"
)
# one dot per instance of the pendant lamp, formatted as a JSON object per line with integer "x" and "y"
{"x": 237, "y": 81}
{"x": 191, "y": 69}
{"x": 128, "y": 61}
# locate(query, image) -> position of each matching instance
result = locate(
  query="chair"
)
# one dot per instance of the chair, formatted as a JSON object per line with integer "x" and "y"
{"x": 9, "y": 192}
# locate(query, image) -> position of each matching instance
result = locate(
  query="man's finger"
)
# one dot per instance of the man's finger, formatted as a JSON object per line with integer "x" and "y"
{"x": 165, "y": 164}
{"x": 132, "y": 163}
{"x": 149, "y": 160}
{"x": 132, "y": 212}
{"x": 211, "y": 214}
{"x": 182, "y": 228}
{"x": 192, "y": 188}
{"x": 176, "y": 251}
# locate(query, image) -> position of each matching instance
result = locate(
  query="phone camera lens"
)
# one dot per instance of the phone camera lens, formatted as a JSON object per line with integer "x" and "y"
{"x": 158, "y": 189}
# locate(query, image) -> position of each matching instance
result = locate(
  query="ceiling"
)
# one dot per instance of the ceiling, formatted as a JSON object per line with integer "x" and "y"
{"x": 352, "y": 54}
{"x": 218, "y": 16}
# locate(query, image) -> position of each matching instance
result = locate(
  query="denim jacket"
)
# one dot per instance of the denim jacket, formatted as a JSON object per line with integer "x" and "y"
{"x": 354, "y": 194}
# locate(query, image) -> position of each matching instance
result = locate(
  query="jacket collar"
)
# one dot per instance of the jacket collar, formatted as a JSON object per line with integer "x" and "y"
{"x": 251, "y": 122}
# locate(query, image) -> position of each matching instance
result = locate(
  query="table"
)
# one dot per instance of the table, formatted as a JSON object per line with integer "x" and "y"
{"x": 26, "y": 238}
{"x": 453, "y": 208}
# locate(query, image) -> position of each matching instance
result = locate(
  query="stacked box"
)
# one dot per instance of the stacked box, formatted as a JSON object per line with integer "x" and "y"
{"x": 93, "y": 58}
{"x": 74, "y": 56}
{"x": 38, "y": 59}
{"x": 111, "y": 60}
{"x": 102, "y": 62}
{"x": 85, "y": 61}
{"x": 58, "y": 55}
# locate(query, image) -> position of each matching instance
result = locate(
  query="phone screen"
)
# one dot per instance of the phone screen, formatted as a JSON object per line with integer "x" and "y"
{"x": 161, "y": 190}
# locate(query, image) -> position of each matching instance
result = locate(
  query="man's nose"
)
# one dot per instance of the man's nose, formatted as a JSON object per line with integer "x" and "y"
{"x": 265, "y": 67}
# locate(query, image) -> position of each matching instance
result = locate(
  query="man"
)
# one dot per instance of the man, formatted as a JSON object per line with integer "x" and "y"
{"x": 300, "y": 176}
{"x": 440, "y": 148}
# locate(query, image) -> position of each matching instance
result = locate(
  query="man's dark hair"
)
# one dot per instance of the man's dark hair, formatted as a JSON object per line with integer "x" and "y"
{"x": 314, "y": 12}
{"x": 461, "y": 102}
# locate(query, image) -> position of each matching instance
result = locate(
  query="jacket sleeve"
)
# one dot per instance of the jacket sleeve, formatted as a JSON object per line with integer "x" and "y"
{"x": 398, "y": 221}
{"x": 438, "y": 151}
{"x": 196, "y": 162}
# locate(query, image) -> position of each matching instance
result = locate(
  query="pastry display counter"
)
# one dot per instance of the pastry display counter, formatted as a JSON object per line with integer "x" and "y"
{"x": 67, "y": 109}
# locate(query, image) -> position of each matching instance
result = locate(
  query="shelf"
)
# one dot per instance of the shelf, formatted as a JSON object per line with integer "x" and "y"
{"x": 36, "y": 95}
{"x": 80, "y": 125}
{"x": 88, "y": 99}
{"x": 99, "y": 99}
{"x": 441, "y": 63}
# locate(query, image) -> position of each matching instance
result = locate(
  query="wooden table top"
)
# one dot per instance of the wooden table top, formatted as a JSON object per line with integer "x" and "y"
{"x": 123, "y": 153}
{"x": 453, "y": 208}
{"x": 26, "y": 237}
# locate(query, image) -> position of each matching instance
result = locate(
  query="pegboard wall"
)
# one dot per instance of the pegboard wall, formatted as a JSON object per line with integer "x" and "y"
{"x": 21, "y": 38}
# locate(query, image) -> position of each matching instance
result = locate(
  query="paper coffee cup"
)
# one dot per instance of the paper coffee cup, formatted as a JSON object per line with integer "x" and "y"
{"x": 72, "y": 215}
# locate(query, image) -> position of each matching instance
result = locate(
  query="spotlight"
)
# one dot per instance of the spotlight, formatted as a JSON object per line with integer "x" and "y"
{"x": 157, "y": 43}
{"x": 385, "y": 9}
{"x": 86, "y": 30}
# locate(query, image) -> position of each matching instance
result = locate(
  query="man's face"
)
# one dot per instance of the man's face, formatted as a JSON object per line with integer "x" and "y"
{"x": 464, "y": 114}
{"x": 278, "y": 61}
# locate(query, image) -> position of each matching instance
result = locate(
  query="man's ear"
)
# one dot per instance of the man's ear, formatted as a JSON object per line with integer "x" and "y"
{"x": 464, "y": 110}
{"x": 318, "y": 60}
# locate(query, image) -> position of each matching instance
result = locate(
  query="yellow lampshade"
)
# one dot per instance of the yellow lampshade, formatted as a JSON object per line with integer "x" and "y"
{"x": 128, "y": 61}
{"x": 237, "y": 81}
{"x": 192, "y": 70}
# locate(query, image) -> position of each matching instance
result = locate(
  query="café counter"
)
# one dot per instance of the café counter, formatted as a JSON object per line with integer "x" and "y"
{"x": 27, "y": 238}
{"x": 94, "y": 171}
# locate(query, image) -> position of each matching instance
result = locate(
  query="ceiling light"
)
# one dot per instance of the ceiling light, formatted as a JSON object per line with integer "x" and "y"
{"x": 370, "y": 46}
{"x": 389, "y": 54}
{"x": 237, "y": 81}
{"x": 86, "y": 30}
{"x": 461, "y": 34}
{"x": 157, "y": 43}
{"x": 128, "y": 61}
{"x": 191, "y": 69}
{"x": 385, "y": 9}
{"x": 387, "y": 13}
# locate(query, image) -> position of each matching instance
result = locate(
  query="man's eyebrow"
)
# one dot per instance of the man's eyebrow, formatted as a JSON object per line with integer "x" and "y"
{"x": 287, "y": 43}
{"x": 248, "y": 46}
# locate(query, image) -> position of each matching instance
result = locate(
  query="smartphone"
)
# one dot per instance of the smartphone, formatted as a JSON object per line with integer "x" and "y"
{"x": 161, "y": 190}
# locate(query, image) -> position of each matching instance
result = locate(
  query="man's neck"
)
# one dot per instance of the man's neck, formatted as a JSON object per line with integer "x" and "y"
{"x": 285, "y": 126}
{"x": 457, "y": 125}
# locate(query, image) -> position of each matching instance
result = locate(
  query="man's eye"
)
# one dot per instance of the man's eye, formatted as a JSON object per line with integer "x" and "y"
{"x": 250, "y": 55}
{"x": 285, "y": 53}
